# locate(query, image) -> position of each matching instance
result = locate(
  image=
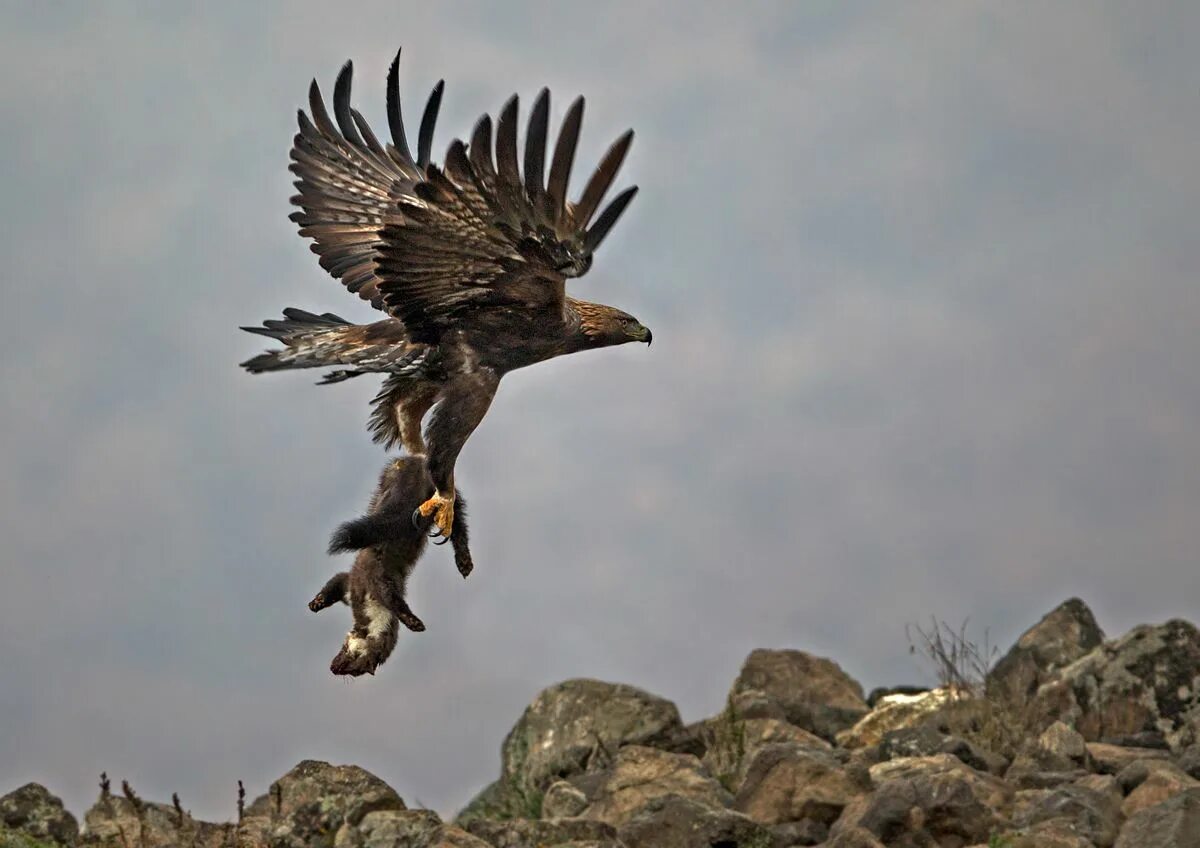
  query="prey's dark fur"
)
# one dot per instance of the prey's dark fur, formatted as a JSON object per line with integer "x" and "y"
{"x": 388, "y": 545}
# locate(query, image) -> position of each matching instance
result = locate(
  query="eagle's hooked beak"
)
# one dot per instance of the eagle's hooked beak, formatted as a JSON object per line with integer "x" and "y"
{"x": 642, "y": 333}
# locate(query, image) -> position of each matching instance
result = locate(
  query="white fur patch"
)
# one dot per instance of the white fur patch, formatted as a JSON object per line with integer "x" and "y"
{"x": 379, "y": 618}
{"x": 355, "y": 645}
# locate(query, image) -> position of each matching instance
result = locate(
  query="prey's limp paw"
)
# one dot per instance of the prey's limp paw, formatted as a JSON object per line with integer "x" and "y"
{"x": 318, "y": 603}
{"x": 441, "y": 509}
{"x": 411, "y": 622}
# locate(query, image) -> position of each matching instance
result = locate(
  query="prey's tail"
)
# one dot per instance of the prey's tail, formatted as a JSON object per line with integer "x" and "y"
{"x": 371, "y": 530}
{"x": 310, "y": 341}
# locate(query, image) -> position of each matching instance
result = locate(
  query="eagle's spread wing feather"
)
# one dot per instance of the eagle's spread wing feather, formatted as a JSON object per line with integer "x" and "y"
{"x": 480, "y": 234}
{"x": 349, "y": 184}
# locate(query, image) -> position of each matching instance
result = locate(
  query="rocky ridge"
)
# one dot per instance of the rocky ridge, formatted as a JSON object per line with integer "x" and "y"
{"x": 1069, "y": 741}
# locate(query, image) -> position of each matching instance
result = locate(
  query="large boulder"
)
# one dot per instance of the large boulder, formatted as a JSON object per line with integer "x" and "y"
{"x": 1175, "y": 823}
{"x": 791, "y": 782}
{"x": 307, "y": 806}
{"x": 120, "y": 821}
{"x": 33, "y": 811}
{"x": 1146, "y": 681}
{"x": 521, "y": 833}
{"x": 1065, "y": 634}
{"x": 935, "y": 800}
{"x": 730, "y": 743}
{"x": 404, "y": 829}
{"x": 640, "y": 775}
{"x": 812, "y": 692}
{"x": 1089, "y": 813}
{"x": 671, "y": 821}
{"x": 580, "y": 724}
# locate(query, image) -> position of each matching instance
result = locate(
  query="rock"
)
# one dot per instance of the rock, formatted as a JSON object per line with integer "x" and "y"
{"x": 503, "y": 799}
{"x": 1175, "y": 823}
{"x": 1104, "y": 783}
{"x": 1143, "y": 739}
{"x": 1145, "y": 681}
{"x": 1065, "y": 634}
{"x": 404, "y": 829}
{"x": 730, "y": 744}
{"x": 1057, "y": 833}
{"x": 1058, "y": 756}
{"x": 790, "y": 782}
{"x": 925, "y": 741}
{"x": 1189, "y": 761}
{"x": 523, "y": 833}
{"x": 938, "y": 797}
{"x": 1110, "y": 759}
{"x": 32, "y": 810}
{"x": 1161, "y": 780}
{"x": 1093, "y": 815}
{"x": 307, "y": 806}
{"x": 892, "y": 713}
{"x": 1135, "y": 774}
{"x": 563, "y": 800}
{"x": 579, "y": 724}
{"x": 803, "y": 832}
{"x": 115, "y": 820}
{"x": 1062, "y": 742}
{"x": 755, "y": 703}
{"x": 813, "y": 693}
{"x": 992, "y": 792}
{"x": 671, "y": 821}
{"x": 854, "y": 837}
{"x": 639, "y": 775}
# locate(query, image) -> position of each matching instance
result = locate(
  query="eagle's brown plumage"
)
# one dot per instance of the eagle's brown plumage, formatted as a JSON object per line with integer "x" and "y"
{"x": 469, "y": 260}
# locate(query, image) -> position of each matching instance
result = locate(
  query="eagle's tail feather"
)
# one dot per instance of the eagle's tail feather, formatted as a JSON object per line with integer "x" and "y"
{"x": 310, "y": 341}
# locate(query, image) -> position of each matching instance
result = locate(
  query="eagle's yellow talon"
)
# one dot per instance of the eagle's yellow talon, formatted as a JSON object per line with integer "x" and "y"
{"x": 442, "y": 510}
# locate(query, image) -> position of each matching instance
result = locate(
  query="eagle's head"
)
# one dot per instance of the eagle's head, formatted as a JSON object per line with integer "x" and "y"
{"x": 604, "y": 326}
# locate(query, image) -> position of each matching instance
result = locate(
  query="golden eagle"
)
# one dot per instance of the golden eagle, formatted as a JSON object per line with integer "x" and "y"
{"x": 469, "y": 260}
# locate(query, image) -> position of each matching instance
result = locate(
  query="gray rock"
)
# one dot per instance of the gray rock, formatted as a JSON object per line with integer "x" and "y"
{"x": 641, "y": 775}
{"x": 526, "y": 833}
{"x": 580, "y": 724}
{"x": 404, "y": 829}
{"x": 789, "y": 783}
{"x": 730, "y": 744}
{"x": 504, "y": 799}
{"x": 803, "y": 832}
{"x": 123, "y": 821}
{"x": 1151, "y": 782}
{"x": 1175, "y": 823}
{"x": 1146, "y": 681}
{"x": 854, "y": 837}
{"x": 812, "y": 692}
{"x": 1110, "y": 759}
{"x": 563, "y": 800}
{"x": 308, "y": 805}
{"x": 1065, "y": 634}
{"x": 1189, "y": 761}
{"x": 927, "y": 740}
{"x": 934, "y": 800}
{"x": 32, "y": 810}
{"x": 1091, "y": 814}
{"x": 672, "y": 821}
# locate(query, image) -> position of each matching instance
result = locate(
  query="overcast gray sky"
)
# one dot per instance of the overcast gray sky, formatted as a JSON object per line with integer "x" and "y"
{"x": 922, "y": 280}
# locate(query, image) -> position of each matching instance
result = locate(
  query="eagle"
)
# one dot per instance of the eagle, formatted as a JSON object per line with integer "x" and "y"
{"x": 468, "y": 260}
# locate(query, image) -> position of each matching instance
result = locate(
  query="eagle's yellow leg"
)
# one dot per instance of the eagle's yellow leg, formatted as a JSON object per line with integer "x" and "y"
{"x": 442, "y": 510}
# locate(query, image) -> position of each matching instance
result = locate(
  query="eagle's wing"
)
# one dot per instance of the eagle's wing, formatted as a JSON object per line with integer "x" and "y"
{"x": 478, "y": 235}
{"x": 349, "y": 183}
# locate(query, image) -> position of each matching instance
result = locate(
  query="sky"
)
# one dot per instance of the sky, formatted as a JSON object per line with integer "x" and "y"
{"x": 925, "y": 345}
